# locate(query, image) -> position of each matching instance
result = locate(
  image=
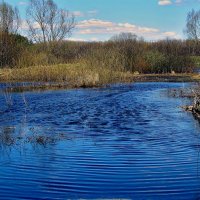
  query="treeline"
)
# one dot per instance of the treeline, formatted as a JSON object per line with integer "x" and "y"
{"x": 125, "y": 54}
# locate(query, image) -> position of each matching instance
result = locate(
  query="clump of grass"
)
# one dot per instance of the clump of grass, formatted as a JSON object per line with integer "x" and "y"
{"x": 45, "y": 139}
{"x": 9, "y": 139}
{"x": 181, "y": 93}
{"x": 70, "y": 75}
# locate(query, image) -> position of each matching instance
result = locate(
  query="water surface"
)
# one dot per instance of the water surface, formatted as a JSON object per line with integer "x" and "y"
{"x": 126, "y": 141}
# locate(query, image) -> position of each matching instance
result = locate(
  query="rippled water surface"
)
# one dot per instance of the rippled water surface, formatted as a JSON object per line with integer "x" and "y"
{"x": 125, "y": 141}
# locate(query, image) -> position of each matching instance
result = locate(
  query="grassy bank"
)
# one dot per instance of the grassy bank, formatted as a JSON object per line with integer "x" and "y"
{"x": 80, "y": 75}
{"x": 187, "y": 77}
{"x": 65, "y": 75}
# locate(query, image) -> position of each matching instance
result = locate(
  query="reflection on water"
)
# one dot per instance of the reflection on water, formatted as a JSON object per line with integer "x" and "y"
{"x": 126, "y": 141}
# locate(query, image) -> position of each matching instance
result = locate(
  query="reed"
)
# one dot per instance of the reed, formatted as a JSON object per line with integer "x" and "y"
{"x": 72, "y": 75}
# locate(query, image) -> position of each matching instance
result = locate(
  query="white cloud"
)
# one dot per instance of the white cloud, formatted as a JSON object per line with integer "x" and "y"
{"x": 94, "y": 23}
{"x": 170, "y": 34}
{"x": 170, "y": 2}
{"x": 101, "y": 27}
{"x": 96, "y": 29}
{"x": 24, "y": 25}
{"x": 77, "y": 39}
{"x": 78, "y": 14}
{"x": 23, "y": 3}
{"x": 90, "y": 13}
{"x": 164, "y": 2}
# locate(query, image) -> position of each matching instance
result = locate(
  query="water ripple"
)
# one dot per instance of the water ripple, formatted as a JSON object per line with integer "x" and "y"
{"x": 124, "y": 141}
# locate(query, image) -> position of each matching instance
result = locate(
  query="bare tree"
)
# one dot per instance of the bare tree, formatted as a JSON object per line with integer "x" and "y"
{"x": 48, "y": 23}
{"x": 193, "y": 25}
{"x": 124, "y": 37}
{"x": 9, "y": 18}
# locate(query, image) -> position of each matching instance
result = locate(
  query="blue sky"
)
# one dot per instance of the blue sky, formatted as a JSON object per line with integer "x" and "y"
{"x": 100, "y": 19}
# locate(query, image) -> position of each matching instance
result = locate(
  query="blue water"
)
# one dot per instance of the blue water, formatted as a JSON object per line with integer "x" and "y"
{"x": 125, "y": 141}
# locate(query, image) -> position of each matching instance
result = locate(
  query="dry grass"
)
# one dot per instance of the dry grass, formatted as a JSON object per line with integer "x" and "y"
{"x": 81, "y": 75}
{"x": 196, "y": 77}
{"x": 185, "y": 77}
{"x": 74, "y": 75}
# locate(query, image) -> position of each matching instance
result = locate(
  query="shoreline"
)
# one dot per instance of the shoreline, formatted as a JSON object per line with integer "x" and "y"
{"x": 25, "y": 85}
{"x": 167, "y": 78}
{"x": 80, "y": 75}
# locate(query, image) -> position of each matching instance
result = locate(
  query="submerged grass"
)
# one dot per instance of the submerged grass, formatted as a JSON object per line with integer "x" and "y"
{"x": 9, "y": 138}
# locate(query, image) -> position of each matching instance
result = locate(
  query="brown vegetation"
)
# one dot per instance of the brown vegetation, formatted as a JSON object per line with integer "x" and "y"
{"x": 64, "y": 76}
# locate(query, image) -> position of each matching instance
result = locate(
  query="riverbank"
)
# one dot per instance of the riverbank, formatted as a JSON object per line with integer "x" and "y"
{"x": 192, "y": 93}
{"x": 194, "y": 110}
{"x": 64, "y": 75}
{"x": 166, "y": 78}
{"x": 80, "y": 76}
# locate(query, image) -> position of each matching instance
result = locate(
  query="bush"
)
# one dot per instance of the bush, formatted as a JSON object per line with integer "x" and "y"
{"x": 156, "y": 62}
{"x": 11, "y": 48}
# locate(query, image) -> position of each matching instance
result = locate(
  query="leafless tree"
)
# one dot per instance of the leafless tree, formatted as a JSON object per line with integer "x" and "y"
{"x": 9, "y": 18}
{"x": 48, "y": 23}
{"x": 124, "y": 37}
{"x": 193, "y": 25}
